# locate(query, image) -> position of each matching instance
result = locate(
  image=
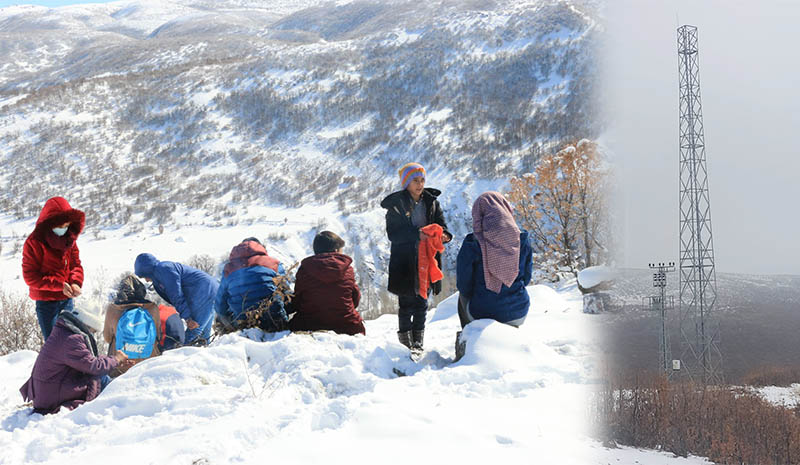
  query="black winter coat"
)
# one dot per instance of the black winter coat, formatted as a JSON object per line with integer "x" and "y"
{"x": 404, "y": 236}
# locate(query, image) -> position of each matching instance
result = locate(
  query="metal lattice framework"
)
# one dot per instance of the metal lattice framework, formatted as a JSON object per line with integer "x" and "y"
{"x": 700, "y": 354}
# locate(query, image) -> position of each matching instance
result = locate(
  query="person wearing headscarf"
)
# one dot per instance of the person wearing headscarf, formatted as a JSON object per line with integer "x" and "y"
{"x": 408, "y": 212}
{"x": 51, "y": 264}
{"x": 494, "y": 265}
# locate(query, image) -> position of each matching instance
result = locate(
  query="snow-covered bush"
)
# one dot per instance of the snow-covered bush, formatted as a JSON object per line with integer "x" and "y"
{"x": 19, "y": 328}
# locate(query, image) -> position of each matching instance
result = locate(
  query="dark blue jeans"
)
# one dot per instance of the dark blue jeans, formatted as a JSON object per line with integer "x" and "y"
{"x": 47, "y": 312}
{"x": 412, "y": 312}
{"x": 203, "y": 330}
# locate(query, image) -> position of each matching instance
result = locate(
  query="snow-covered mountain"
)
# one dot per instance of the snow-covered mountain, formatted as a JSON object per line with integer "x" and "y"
{"x": 143, "y": 113}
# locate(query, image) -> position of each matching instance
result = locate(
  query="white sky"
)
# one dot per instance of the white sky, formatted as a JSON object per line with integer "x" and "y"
{"x": 750, "y": 93}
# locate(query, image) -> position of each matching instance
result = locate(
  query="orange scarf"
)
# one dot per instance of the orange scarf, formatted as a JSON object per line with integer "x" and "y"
{"x": 429, "y": 271}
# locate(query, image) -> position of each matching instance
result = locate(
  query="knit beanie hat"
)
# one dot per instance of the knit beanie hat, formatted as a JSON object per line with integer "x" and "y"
{"x": 410, "y": 171}
{"x": 91, "y": 317}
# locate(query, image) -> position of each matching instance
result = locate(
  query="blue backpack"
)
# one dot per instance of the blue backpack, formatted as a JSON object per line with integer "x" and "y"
{"x": 136, "y": 333}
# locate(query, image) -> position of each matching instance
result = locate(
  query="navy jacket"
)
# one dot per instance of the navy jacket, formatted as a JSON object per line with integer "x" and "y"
{"x": 248, "y": 280}
{"x": 512, "y": 302}
{"x": 245, "y": 288}
{"x": 188, "y": 289}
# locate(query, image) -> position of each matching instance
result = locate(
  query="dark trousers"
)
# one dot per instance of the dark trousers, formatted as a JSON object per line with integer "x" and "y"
{"x": 463, "y": 311}
{"x": 412, "y": 312}
{"x": 47, "y": 312}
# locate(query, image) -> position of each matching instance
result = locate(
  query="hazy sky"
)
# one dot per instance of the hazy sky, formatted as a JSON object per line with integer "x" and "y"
{"x": 50, "y": 3}
{"x": 750, "y": 91}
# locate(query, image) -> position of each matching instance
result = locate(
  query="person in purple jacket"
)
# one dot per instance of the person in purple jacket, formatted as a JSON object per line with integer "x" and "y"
{"x": 68, "y": 371}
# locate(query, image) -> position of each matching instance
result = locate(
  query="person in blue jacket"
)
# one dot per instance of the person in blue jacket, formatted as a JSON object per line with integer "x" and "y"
{"x": 249, "y": 278}
{"x": 188, "y": 289}
{"x": 494, "y": 265}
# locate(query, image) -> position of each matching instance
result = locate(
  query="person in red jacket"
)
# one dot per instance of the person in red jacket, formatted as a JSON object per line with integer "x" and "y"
{"x": 325, "y": 292}
{"x": 51, "y": 265}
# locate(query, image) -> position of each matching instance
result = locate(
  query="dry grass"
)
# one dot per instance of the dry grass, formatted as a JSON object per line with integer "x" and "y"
{"x": 772, "y": 376}
{"x": 727, "y": 425}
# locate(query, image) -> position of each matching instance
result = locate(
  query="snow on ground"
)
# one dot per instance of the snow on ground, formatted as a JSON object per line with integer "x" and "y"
{"x": 788, "y": 397}
{"x": 594, "y": 275}
{"x": 518, "y": 396}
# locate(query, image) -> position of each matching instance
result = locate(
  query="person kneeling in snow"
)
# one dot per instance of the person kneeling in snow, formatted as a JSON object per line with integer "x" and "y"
{"x": 325, "y": 290}
{"x": 494, "y": 265}
{"x": 249, "y": 281}
{"x": 68, "y": 370}
{"x": 188, "y": 289}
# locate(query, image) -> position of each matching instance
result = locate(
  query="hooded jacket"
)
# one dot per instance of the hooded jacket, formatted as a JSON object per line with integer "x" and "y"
{"x": 188, "y": 289}
{"x": 49, "y": 261}
{"x": 404, "y": 236}
{"x": 326, "y": 295}
{"x": 510, "y": 303}
{"x": 68, "y": 369}
{"x": 247, "y": 280}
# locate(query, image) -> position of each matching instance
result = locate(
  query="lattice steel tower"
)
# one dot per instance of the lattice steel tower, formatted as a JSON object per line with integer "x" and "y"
{"x": 700, "y": 354}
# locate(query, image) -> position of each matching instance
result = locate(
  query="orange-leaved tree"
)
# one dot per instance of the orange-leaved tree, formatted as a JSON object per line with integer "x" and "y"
{"x": 564, "y": 206}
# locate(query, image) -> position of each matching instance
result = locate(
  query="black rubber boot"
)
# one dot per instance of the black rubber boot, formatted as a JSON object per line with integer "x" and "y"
{"x": 461, "y": 347}
{"x": 405, "y": 338}
{"x": 417, "y": 338}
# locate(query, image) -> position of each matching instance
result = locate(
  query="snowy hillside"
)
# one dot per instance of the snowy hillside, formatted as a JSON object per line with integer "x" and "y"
{"x": 519, "y": 396}
{"x": 144, "y": 112}
{"x": 300, "y": 398}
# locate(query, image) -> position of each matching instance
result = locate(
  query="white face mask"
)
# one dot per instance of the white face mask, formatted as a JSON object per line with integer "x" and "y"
{"x": 60, "y": 231}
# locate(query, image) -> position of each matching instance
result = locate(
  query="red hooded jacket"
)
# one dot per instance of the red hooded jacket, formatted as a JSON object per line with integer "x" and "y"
{"x": 49, "y": 261}
{"x": 326, "y": 295}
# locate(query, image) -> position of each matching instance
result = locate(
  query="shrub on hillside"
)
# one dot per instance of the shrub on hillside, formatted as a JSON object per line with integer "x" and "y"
{"x": 725, "y": 424}
{"x": 772, "y": 376}
{"x": 19, "y": 328}
{"x": 204, "y": 262}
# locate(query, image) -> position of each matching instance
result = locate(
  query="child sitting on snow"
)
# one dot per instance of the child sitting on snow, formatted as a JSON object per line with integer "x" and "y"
{"x": 325, "y": 290}
{"x": 248, "y": 281}
{"x": 68, "y": 370}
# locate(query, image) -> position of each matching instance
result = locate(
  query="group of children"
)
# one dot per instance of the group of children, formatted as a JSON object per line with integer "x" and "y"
{"x": 494, "y": 265}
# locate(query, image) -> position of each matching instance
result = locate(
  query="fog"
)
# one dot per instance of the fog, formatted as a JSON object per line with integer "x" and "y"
{"x": 750, "y": 95}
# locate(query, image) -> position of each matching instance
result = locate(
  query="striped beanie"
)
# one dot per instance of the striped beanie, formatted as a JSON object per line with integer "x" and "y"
{"x": 410, "y": 171}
